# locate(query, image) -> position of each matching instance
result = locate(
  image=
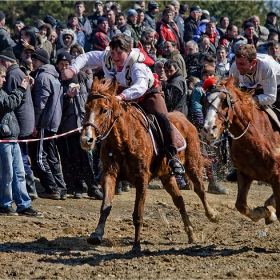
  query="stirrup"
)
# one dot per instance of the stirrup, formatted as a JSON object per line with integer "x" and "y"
{"x": 176, "y": 166}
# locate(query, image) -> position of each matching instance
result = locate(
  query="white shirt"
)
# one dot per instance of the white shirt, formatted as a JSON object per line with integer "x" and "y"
{"x": 139, "y": 72}
{"x": 266, "y": 76}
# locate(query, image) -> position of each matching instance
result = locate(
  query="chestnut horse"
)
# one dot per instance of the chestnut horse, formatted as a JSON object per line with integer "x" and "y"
{"x": 255, "y": 148}
{"x": 127, "y": 154}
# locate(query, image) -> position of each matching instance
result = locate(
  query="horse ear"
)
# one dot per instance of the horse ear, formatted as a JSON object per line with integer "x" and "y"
{"x": 230, "y": 81}
{"x": 114, "y": 86}
{"x": 94, "y": 85}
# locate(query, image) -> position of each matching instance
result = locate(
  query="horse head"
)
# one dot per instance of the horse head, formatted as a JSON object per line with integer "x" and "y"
{"x": 218, "y": 104}
{"x": 100, "y": 113}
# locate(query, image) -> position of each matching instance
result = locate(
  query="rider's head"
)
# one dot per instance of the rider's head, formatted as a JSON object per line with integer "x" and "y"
{"x": 246, "y": 59}
{"x": 121, "y": 41}
{"x": 120, "y": 47}
{"x": 248, "y": 51}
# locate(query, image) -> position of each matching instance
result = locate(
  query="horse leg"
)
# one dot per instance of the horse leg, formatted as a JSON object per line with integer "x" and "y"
{"x": 171, "y": 187}
{"x": 271, "y": 204}
{"x": 197, "y": 179}
{"x": 109, "y": 184}
{"x": 244, "y": 183}
{"x": 138, "y": 213}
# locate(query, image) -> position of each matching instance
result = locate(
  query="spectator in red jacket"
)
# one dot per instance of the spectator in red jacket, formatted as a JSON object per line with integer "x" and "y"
{"x": 101, "y": 39}
{"x": 168, "y": 30}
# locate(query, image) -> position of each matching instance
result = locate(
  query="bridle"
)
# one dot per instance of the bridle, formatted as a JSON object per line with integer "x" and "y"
{"x": 228, "y": 118}
{"x": 100, "y": 131}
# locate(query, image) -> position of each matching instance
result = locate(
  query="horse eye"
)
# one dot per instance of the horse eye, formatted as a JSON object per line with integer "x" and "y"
{"x": 103, "y": 111}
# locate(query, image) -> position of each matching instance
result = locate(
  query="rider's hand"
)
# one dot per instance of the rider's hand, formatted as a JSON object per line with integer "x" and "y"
{"x": 66, "y": 74}
{"x": 256, "y": 99}
{"x": 118, "y": 97}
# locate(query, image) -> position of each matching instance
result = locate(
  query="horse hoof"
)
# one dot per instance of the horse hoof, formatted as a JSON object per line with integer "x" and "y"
{"x": 271, "y": 219}
{"x": 94, "y": 239}
{"x": 136, "y": 249}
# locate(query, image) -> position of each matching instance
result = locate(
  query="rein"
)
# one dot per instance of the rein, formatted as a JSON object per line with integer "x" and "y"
{"x": 230, "y": 103}
{"x": 101, "y": 129}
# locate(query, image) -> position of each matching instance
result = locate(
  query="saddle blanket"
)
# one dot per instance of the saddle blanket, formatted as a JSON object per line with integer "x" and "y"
{"x": 273, "y": 113}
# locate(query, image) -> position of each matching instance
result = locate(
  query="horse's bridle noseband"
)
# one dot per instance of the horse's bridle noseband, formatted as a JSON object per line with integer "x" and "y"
{"x": 230, "y": 103}
{"x": 100, "y": 131}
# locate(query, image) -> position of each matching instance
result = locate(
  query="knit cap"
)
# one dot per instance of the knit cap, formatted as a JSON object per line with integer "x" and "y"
{"x": 8, "y": 54}
{"x": 41, "y": 55}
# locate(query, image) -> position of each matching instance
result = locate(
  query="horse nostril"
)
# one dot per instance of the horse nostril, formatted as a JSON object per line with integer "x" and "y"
{"x": 214, "y": 127}
{"x": 205, "y": 130}
{"x": 90, "y": 140}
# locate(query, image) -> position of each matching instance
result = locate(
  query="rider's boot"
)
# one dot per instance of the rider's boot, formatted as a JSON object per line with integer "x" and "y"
{"x": 214, "y": 185}
{"x": 173, "y": 162}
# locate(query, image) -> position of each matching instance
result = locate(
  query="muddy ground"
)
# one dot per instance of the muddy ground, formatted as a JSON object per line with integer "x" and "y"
{"x": 55, "y": 247}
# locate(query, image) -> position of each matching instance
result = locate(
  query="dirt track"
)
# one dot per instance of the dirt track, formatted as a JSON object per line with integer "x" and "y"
{"x": 55, "y": 247}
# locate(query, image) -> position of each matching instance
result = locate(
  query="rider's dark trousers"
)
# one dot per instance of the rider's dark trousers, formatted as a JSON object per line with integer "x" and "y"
{"x": 154, "y": 103}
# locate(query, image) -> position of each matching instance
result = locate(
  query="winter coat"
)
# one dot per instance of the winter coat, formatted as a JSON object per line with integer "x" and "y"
{"x": 190, "y": 26}
{"x": 272, "y": 27}
{"x": 8, "y": 103}
{"x": 93, "y": 20}
{"x": 74, "y": 108}
{"x": 180, "y": 23}
{"x": 135, "y": 33}
{"x": 5, "y": 39}
{"x": 84, "y": 24}
{"x": 64, "y": 47}
{"x": 176, "y": 94}
{"x": 47, "y": 98}
{"x": 193, "y": 66}
{"x": 175, "y": 55}
{"x": 195, "y": 100}
{"x": 25, "y": 112}
{"x": 149, "y": 20}
{"x": 169, "y": 31}
{"x": 47, "y": 46}
{"x": 99, "y": 41}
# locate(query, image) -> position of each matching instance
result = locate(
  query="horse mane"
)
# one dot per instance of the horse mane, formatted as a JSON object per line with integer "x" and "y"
{"x": 245, "y": 100}
{"x": 103, "y": 86}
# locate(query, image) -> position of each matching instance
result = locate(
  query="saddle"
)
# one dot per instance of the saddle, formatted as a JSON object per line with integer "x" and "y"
{"x": 156, "y": 134}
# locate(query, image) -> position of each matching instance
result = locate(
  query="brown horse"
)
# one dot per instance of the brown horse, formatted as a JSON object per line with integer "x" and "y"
{"x": 255, "y": 148}
{"x": 127, "y": 155}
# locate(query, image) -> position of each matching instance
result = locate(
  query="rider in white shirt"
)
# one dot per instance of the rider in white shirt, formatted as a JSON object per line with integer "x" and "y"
{"x": 136, "y": 82}
{"x": 256, "y": 71}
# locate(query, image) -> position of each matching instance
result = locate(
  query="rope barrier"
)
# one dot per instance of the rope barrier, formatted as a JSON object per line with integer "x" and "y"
{"x": 41, "y": 139}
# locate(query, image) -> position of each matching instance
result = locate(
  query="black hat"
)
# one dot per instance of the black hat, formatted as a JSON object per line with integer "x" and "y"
{"x": 62, "y": 25}
{"x": 98, "y": 2}
{"x": 271, "y": 14}
{"x": 2, "y": 15}
{"x": 63, "y": 56}
{"x": 194, "y": 8}
{"x": 152, "y": 5}
{"x": 101, "y": 20}
{"x": 50, "y": 20}
{"x": 41, "y": 55}
{"x": 8, "y": 54}
{"x": 248, "y": 24}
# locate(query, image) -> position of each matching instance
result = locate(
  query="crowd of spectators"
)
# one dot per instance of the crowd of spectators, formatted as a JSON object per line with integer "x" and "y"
{"x": 187, "y": 45}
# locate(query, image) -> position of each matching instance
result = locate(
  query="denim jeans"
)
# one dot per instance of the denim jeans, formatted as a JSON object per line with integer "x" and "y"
{"x": 12, "y": 177}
